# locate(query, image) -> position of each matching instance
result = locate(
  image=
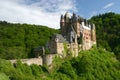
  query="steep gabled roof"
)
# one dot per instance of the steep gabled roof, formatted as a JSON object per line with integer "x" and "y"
{"x": 60, "y": 38}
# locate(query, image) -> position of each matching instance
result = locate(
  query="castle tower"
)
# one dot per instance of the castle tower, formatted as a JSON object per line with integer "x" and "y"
{"x": 93, "y": 34}
{"x": 77, "y": 29}
{"x": 74, "y": 47}
{"x": 78, "y": 32}
{"x": 76, "y": 24}
{"x": 66, "y": 17}
{"x": 62, "y": 25}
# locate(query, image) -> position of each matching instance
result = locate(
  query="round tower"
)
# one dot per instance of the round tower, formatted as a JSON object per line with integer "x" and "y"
{"x": 66, "y": 17}
{"x": 62, "y": 21}
{"x": 62, "y": 24}
{"x": 93, "y": 34}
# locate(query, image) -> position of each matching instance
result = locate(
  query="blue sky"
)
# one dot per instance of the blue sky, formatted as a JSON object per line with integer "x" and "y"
{"x": 47, "y": 12}
{"x": 89, "y": 8}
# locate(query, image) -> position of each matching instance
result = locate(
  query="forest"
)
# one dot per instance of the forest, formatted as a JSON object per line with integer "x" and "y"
{"x": 108, "y": 31}
{"x": 18, "y": 40}
{"x": 94, "y": 64}
{"x": 102, "y": 62}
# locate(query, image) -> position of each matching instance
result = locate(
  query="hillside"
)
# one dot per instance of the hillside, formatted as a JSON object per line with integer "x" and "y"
{"x": 18, "y": 40}
{"x": 23, "y": 38}
{"x": 107, "y": 30}
{"x": 94, "y": 64}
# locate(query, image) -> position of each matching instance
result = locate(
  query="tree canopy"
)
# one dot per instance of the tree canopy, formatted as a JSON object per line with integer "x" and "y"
{"x": 108, "y": 31}
{"x": 94, "y": 64}
{"x": 98, "y": 63}
{"x": 18, "y": 40}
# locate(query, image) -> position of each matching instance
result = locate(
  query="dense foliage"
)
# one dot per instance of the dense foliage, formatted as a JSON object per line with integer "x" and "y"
{"x": 95, "y": 64}
{"x": 18, "y": 40}
{"x": 108, "y": 31}
{"x": 23, "y": 38}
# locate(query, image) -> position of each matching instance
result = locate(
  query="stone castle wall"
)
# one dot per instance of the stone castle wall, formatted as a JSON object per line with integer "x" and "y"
{"x": 60, "y": 48}
{"x": 38, "y": 61}
{"x": 46, "y": 59}
{"x": 83, "y": 29}
{"x": 87, "y": 43}
{"x": 76, "y": 33}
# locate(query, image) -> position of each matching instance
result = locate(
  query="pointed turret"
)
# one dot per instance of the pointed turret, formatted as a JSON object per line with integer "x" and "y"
{"x": 62, "y": 25}
{"x": 66, "y": 17}
{"x": 62, "y": 21}
{"x": 74, "y": 15}
{"x": 74, "y": 18}
{"x": 93, "y": 26}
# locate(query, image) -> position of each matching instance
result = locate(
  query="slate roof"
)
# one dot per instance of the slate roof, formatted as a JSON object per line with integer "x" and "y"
{"x": 40, "y": 48}
{"x": 60, "y": 38}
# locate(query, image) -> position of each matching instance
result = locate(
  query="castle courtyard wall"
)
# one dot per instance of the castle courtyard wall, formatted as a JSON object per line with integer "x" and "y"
{"x": 38, "y": 61}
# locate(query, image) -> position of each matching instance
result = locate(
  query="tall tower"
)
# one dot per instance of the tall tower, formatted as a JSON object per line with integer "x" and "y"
{"x": 62, "y": 25}
{"x": 66, "y": 17}
{"x": 93, "y": 34}
{"x": 76, "y": 24}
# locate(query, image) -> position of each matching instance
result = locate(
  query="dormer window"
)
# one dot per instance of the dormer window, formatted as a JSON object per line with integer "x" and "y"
{"x": 56, "y": 39}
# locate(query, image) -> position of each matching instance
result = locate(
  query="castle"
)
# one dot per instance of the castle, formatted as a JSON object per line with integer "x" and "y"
{"x": 76, "y": 34}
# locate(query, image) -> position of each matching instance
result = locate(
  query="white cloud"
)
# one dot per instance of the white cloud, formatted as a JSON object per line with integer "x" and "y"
{"x": 93, "y": 13}
{"x": 41, "y": 12}
{"x": 108, "y": 5}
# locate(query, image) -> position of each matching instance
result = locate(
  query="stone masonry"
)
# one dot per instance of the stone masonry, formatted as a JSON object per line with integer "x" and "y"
{"x": 76, "y": 34}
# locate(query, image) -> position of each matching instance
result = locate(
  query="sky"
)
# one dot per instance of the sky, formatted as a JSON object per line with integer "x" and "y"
{"x": 47, "y": 12}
